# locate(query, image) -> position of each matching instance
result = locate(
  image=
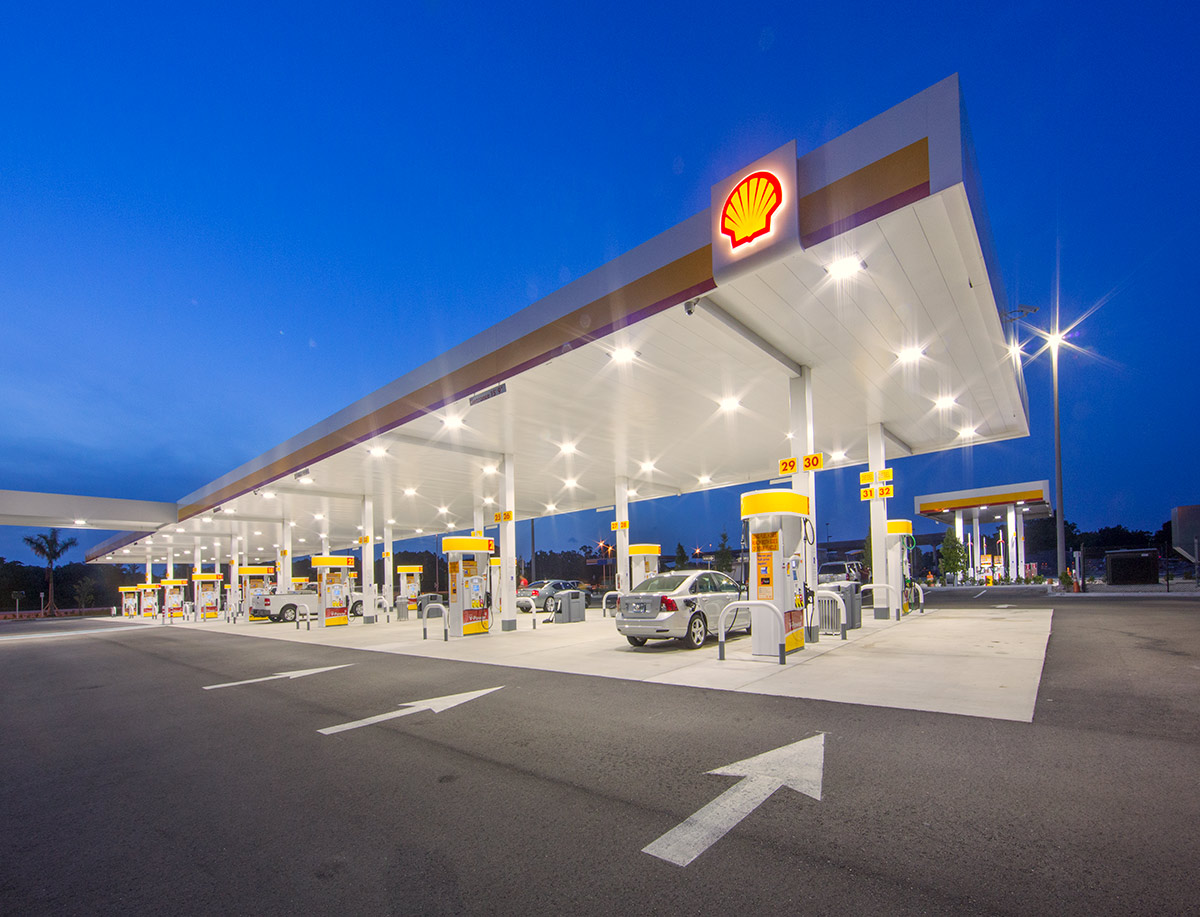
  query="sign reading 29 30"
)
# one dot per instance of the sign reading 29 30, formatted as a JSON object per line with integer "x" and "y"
{"x": 814, "y": 462}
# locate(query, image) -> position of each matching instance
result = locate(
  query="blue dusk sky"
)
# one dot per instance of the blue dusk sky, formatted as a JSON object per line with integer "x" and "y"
{"x": 220, "y": 224}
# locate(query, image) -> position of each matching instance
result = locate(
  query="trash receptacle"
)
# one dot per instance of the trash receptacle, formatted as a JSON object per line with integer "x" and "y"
{"x": 851, "y": 593}
{"x": 569, "y": 606}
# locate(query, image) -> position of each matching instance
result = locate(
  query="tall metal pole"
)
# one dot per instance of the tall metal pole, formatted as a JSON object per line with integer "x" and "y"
{"x": 1058, "y": 480}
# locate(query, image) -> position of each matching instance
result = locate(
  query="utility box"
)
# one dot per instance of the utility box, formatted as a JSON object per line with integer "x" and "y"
{"x": 571, "y": 607}
{"x": 1131, "y": 568}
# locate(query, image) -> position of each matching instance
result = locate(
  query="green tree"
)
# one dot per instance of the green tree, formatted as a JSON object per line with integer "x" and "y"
{"x": 85, "y": 593}
{"x": 723, "y": 557}
{"x": 50, "y": 549}
{"x": 681, "y": 556}
{"x": 954, "y": 554}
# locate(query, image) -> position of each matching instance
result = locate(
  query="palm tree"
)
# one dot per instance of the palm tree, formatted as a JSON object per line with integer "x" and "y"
{"x": 50, "y": 549}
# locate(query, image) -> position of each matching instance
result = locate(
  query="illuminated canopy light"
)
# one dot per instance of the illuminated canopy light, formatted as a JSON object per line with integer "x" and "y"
{"x": 449, "y": 525}
{"x": 391, "y": 522}
{"x": 944, "y": 402}
{"x": 487, "y": 469}
{"x": 488, "y": 501}
{"x": 443, "y": 510}
{"x": 705, "y": 479}
{"x": 838, "y": 455}
{"x": 378, "y": 451}
{"x": 844, "y": 268}
{"x": 419, "y": 531}
{"x": 84, "y": 522}
{"x": 966, "y": 432}
{"x": 453, "y": 422}
{"x": 318, "y": 516}
{"x": 410, "y": 491}
{"x": 730, "y": 404}
{"x": 551, "y": 507}
{"x": 566, "y": 449}
{"x": 623, "y": 355}
{"x": 630, "y": 492}
{"x": 911, "y": 354}
{"x": 570, "y": 482}
{"x": 647, "y": 467}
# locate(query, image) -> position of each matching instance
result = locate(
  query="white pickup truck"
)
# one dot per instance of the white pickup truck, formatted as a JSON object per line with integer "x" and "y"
{"x": 285, "y": 606}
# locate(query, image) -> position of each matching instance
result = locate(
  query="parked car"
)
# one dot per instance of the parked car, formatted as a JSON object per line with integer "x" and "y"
{"x": 839, "y": 571}
{"x": 684, "y": 605}
{"x": 533, "y": 597}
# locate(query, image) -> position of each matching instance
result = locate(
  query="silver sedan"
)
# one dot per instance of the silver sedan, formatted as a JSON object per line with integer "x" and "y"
{"x": 684, "y": 605}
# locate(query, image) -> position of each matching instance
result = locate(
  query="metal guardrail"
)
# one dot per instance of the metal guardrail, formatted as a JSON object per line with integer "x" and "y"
{"x": 751, "y": 605}
{"x": 890, "y": 588}
{"x": 604, "y": 602}
{"x": 824, "y": 599}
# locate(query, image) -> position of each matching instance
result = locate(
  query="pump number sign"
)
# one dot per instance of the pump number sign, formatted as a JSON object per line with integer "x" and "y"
{"x": 814, "y": 462}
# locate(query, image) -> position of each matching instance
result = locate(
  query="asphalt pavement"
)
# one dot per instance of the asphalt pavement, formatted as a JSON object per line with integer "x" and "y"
{"x": 132, "y": 785}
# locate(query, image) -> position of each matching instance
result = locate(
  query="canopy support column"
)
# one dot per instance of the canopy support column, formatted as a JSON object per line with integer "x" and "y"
{"x": 508, "y": 549}
{"x": 881, "y": 599}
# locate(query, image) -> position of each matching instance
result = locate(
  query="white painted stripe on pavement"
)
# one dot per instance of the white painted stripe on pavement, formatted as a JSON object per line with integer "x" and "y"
{"x": 692, "y": 837}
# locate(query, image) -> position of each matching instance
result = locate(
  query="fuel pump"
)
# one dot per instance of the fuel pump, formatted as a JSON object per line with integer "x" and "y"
{"x": 333, "y": 585}
{"x": 643, "y": 562}
{"x": 775, "y": 522}
{"x": 408, "y": 588}
{"x": 467, "y": 566}
{"x": 149, "y": 599}
{"x": 256, "y": 580}
{"x": 173, "y": 597}
{"x": 899, "y": 542}
{"x": 493, "y": 582}
{"x": 129, "y": 600}
{"x": 204, "y": 594}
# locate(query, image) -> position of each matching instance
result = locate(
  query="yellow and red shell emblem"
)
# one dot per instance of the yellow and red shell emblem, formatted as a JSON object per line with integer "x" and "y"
{"x": 748, "y": 209}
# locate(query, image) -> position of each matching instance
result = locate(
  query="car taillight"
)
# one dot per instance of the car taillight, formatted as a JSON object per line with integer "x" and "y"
{"x": 666, "y": 603}
{"x": 533, "y": 592}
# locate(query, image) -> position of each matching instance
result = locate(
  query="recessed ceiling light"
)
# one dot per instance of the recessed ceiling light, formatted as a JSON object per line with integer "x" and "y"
{"x": 449, "y": 525}
{"x": 489, "y": 469}
{"x": 966, "y": 432}
{"x": 488, "y": 501}
{"x": 630, "y": 492}
{"x": 291, "y": 525}
{"x": 945, "y": 402}
{"x": 302, "y": 540}
{"x": 125, "y": 550}
{"x": 410, "y": 491}
{"x": 453, "y": 421}
{"x": 318, "y": 516}
{"x": 566, "y": 449}
{"x": 258, "y": 533}
{"x": 647, "y": 467}
{"x": 624, "y": 355}
{"x": 419, "y": 531}
{"x": 844, "y": 268}
{"x": 206, "y": 518}
{"x": 838, "y": 455}
{"x": 443, "y": 510}
{"x": 983, "y": 507}
{"x": 179, "y": 530}
{"x": 910, "y": 354}
{"x": 570, "y": 482}
{"x": 268, "y": 495}
{"x": 359, "y": 527}
{"x": 84, "y": 522}
{"x": 378, "y": 451}
{"x": 730, "y": 404}
{"x": 790, "y": 435}
{"x": 391, "y": 522}
{"x": 551, "y": 507}
{"x": 705, "y": 479}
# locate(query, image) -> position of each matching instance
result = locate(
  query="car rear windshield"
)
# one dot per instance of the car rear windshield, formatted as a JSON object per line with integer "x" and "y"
{"x": 666, "y": 582}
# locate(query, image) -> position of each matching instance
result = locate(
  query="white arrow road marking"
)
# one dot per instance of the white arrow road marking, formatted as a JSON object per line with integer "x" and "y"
{"x": 800, "y": 765}
{"x": 299, "y": 673}
{"x": 436, "y": 704}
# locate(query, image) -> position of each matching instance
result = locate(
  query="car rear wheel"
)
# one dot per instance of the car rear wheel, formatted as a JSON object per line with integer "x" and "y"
{"x": 356, "y": 609}
{"x": 288, "y": 613}
{"x": 636, "y": 641}
{"x": 697, "y": 632}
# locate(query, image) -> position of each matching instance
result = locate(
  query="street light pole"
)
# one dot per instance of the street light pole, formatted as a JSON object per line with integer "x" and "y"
{"x": 1055, "y": 340}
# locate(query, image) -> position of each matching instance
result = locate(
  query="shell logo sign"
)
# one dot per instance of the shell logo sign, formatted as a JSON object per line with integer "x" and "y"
{"x": 749, "y": 207}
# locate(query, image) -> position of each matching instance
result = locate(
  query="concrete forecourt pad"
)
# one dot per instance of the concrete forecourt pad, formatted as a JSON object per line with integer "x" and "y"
{"x": 984, "y": 662}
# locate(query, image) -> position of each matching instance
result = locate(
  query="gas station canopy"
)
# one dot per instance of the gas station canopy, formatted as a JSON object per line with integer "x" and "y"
{"x": 1030, "y": 498}
{"x": 668, "y": 369}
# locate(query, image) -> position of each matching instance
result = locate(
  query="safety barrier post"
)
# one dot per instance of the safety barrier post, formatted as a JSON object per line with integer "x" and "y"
{"x": 841, "y": 604}
{"x": 604, "y": 602}
{"x": 751, "y": 605}
{"x": 890, "y": 588}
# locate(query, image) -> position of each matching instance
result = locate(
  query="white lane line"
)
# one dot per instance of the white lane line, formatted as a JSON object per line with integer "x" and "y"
{"x": 77, "y": 633}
